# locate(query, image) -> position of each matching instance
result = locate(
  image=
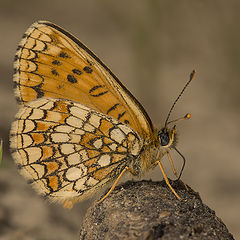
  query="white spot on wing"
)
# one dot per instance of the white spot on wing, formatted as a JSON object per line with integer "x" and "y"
{"x": 113, "y": 146}
{"x": 39, "y": 169}
{"x": 75, "y": 138}
{"x": 80, "y": 184}
{"x": 26, "y": 140}
{"x": 79, "y": 131}
{"x": 117, "y": 135}
{"x": 73, "y": 159}
{"x": 91, "y": 181}
{"x": 98, "y": 143}
{"x": 34, "y": 154}
{"x": 53, "y": 116}
{"x": 64, "y": 129}
{"x": 94, "y": 120}
{"x": 74, "y": 122}
{"x": 104, "y": 160}
{"x": 88, "y": 127}
{"x": 135, "y": 148}
{"x": 79, "y": 112}
{"x": 37, "y": 114}
{"x": 73, "y": 173}
{"x": 29, "y": 126}
{"x": 67, "y": 148}
{"x": 59, "y": 137}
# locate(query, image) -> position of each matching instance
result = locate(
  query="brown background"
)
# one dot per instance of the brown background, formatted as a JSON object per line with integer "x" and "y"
{"x": 152, "y": 46}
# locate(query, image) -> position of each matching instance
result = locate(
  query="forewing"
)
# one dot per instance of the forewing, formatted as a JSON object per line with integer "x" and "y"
{"x": 50, "y": 62}
{"x": 67, "y": 150}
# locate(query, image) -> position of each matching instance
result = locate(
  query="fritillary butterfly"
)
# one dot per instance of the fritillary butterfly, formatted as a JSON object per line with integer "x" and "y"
{"x": 78, "y": 127}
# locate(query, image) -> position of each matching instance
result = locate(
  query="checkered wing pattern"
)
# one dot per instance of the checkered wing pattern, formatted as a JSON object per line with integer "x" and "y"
{"x": 67, "y": 150}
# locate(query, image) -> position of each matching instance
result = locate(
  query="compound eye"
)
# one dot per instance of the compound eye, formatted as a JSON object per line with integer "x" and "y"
{"x": 164, "y": 138}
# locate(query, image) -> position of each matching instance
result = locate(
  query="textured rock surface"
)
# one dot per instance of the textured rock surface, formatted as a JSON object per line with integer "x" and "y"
{"x": 149, "y": 210}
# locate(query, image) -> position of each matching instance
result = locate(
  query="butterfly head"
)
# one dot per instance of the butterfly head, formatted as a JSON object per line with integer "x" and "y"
{"x": 167, "y": 137}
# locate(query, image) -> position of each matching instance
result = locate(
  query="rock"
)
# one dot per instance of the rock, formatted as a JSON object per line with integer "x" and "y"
{"x": 149, "y": 210}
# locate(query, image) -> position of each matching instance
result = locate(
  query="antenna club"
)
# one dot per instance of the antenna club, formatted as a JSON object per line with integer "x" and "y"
{"x": 187, "y": 116}
{"x": 192, "y": 75}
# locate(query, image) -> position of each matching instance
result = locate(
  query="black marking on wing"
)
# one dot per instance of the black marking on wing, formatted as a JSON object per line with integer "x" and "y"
{"x": 120, "y": 115}
{"x": 99, "y": 94}
{"x": 87, "y": 69}
{"x": 16, "y": 57}
{"x": 90, "y": 64}
{"x": 71, "y": 78}
{"x": 32, "y": 55}
{"x": 77, "y": 71}
{"x": 15, "y": 84}
{"x": 35, "y": 42}
{"x": 112, "y": 108}
{"x": 38, "y": 90}
{"x": 16, "y": 70}
{"x": 19, "y": 46}
{"x": 95, "y": 88}
{"x": 54, "y": 72}
{"x": 64, "y": 55}
{"x": 56, "y": 62}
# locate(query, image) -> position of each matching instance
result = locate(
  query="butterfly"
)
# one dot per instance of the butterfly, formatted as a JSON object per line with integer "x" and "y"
{"x": 78, "y": 127}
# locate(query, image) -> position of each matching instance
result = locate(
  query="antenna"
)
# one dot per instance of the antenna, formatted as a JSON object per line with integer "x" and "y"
{"x": 192, "y": 75}
{"x": 187, "y": 116}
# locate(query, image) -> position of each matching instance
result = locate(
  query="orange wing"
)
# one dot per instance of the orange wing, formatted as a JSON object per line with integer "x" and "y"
{"x": 50, "y": 62}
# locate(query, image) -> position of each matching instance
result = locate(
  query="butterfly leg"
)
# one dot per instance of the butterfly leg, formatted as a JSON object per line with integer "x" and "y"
{"x": 116, "y": 182}
{"x": 166, "y": 179}
{"x": 174, "y": 170}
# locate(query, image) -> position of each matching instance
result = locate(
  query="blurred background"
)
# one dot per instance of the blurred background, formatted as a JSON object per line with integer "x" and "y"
{"x": 152, "y": 46}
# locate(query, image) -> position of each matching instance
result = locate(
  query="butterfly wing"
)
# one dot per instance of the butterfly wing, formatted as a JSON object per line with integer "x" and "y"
{"x": 50, "y": 62}
{"x": 67, "y": 150}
